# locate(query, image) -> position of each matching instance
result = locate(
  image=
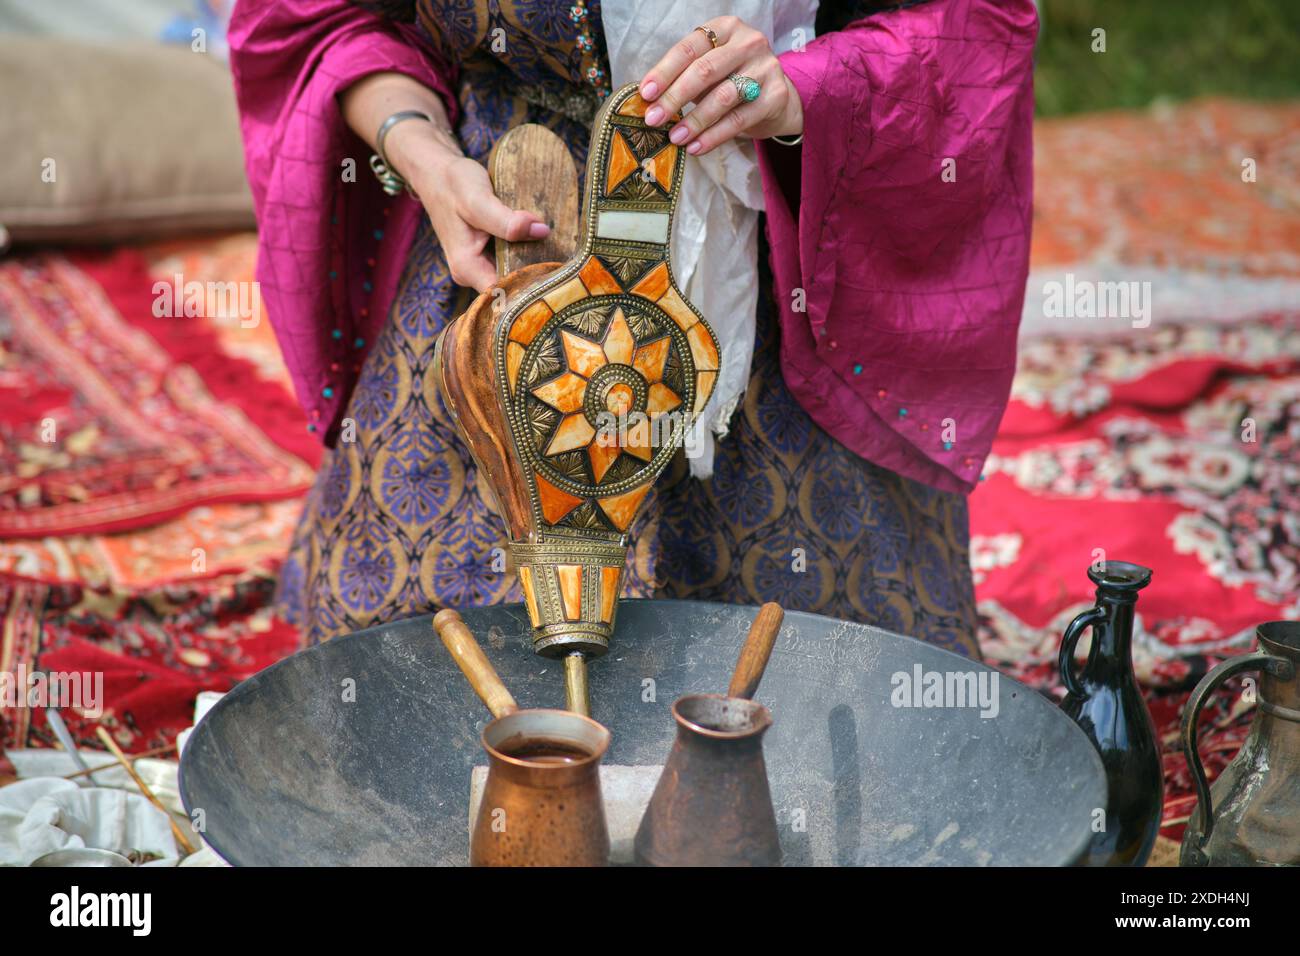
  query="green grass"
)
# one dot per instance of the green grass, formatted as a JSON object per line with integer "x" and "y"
{"x": 1165, "y": 49}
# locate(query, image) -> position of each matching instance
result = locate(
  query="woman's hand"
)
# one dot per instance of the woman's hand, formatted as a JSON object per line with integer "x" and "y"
{"x": 457, "y": 193}
{"x": 694, "y": 71}
{"x": 455, "y": 190}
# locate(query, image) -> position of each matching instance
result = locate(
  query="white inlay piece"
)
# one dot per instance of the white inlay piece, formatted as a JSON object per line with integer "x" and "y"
{"x": 633, "y": 226}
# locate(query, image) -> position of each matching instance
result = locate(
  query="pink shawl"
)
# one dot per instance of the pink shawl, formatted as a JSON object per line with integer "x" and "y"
{"x": 910, "y": 239}
{"x": 331, "y": 246}
{"x": 899, "y": 229}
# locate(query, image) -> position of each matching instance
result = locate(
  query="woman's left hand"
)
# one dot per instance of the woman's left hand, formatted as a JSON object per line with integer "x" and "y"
{"x": 695, "y": 71}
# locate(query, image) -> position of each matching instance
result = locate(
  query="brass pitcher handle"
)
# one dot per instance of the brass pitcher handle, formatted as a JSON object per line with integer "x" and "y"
{"x": 1259, "y": 660}
{"x": 1093, "y": 617}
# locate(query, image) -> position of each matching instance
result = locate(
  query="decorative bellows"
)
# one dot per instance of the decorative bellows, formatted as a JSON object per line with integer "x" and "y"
{"x": 594, "y": 372}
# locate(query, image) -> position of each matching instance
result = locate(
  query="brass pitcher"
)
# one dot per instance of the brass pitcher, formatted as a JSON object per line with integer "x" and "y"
{"x": 1251, "y": 816}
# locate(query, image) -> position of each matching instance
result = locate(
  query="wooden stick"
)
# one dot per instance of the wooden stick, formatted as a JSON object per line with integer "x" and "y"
{"x": 756, "y": 650}
{"x": 469, "y": 657}
{"x": 116, "y": 751}
{"x": 155, "y": 752}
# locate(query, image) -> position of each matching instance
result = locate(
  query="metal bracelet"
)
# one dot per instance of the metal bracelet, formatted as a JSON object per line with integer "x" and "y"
{"x": 392, "y": 183}
{"x": 379, "y": 164}
{"x": 787, "y": 142}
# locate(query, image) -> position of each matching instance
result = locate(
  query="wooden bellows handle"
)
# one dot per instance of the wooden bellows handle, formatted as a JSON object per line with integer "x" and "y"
{"x": 473, "y": 663}
{"x": 756, "y": 650}
{"x": 532, "y": 168}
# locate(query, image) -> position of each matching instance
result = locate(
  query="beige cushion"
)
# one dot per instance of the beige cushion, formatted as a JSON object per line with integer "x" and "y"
{"x": 144, "y": 141}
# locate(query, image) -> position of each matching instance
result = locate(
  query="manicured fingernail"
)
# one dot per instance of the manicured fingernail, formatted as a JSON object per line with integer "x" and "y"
{"x": 695, "y": 147}
{"x": 654, "y": 116}
{"x": 539, "y": 230}
{"x": 679, "y": 134}
{"x": 649, "y": 90}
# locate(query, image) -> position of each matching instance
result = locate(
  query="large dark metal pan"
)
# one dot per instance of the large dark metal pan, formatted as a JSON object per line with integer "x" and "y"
{"x": 359, "y": 751}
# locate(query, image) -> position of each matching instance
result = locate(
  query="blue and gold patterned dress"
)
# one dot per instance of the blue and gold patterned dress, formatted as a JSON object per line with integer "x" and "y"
{"x": 397, "y": 523}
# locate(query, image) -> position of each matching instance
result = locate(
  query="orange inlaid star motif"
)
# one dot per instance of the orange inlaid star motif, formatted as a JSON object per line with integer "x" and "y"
{"x": 586, "y": 360}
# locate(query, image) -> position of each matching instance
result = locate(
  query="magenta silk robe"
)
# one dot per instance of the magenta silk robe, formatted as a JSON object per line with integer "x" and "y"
{"x": 899, "y": 230}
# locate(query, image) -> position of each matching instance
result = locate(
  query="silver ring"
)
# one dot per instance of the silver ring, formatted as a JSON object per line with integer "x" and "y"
{"x": 747, "y": 87}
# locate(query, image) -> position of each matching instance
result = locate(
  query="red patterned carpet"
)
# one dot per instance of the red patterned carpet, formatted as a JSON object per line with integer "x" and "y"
{"x": 157, "y": 649}
{"x": 103, "y": 427}
{"x": 1134, "y": 441}
{"x": 1175, "y": 445}
{"x": 143, "y": 540}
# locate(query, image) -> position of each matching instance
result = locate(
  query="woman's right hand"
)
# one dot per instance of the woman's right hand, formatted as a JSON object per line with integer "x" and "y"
{"x": 455, "y": 190}
{"x": 457, "y": 193}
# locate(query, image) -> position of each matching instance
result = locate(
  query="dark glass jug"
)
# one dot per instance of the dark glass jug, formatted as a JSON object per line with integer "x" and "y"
{"x": 1104, "y": 700}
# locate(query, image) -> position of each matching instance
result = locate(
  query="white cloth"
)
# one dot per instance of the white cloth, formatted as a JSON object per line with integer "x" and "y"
{"x": 715, "y": 235}
{"x": 15, "y": 800}
{"x": 45, "y": 814}
{"x": 159, "y": 775}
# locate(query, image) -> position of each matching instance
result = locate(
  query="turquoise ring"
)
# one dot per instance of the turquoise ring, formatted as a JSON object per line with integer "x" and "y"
{"x": 748, "y": 88}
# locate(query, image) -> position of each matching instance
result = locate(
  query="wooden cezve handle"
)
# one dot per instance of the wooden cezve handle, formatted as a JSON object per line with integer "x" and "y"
{"x": 756, "y": 650}
{"x": 473, "y": 663}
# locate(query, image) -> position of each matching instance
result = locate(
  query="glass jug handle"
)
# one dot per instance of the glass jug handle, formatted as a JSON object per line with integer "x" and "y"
{"x": 1093, "y": 617}
{"x": 1192, "y": 712}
